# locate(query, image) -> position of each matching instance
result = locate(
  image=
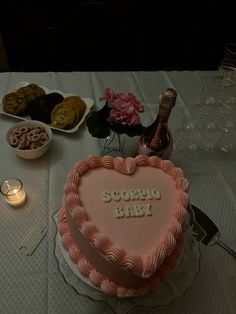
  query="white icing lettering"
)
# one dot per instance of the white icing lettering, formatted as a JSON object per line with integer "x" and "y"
{"x": 149, "y": 195}
{"x": 115, "y": 196}
{"x": 106, "y": 196}
{"x": 131, "y": 195}
{"x": 147, "y": 209}
{"x": 138, "y": 210}
{"x": 119, "y": 212}
{"x": 142, "y": 194}
{"x": 124, "y": 195}
{"x": 129, "y": 211}
{"x": 156, "y": 194}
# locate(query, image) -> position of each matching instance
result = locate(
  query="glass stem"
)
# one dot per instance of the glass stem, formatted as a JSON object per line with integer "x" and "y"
{"x": 109, "y": 141}
{"x": 119, "y": 143}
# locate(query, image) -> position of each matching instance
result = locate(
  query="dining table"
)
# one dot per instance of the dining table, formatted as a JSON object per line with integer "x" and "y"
{"x": 36, "y": 283}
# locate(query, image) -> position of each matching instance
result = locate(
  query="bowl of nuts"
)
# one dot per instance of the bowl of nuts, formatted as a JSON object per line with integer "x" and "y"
{"x": 29, "y": 139}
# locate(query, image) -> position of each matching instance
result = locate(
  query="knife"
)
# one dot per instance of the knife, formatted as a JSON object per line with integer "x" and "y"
{"x": 212, "y": 233}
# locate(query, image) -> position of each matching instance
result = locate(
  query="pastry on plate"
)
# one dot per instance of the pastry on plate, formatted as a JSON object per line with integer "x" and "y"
{"x": 68, "y": 113}
{"x": 31, "y": 91}
{"x": 41, "y": 107}
{"x": 15, "y": 103}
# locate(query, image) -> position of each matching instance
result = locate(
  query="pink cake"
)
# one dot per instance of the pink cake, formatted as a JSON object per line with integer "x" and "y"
{"x": 122, "y": 221}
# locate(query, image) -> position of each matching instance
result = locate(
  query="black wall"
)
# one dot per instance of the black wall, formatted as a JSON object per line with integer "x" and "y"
{"x": 87, "y": 35}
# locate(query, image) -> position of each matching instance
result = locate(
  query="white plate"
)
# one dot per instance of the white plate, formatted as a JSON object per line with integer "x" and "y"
{"x": 89, "y": 104}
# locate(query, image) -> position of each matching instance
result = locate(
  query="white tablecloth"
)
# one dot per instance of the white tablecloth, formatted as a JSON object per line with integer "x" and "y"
{"x": 33, "y": 284}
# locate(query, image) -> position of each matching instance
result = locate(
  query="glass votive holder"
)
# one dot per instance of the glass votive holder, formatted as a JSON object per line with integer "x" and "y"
{"x": 13, "y": 191}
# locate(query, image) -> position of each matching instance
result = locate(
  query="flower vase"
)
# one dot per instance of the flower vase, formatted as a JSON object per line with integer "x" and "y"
{"x": 113, "y": 145}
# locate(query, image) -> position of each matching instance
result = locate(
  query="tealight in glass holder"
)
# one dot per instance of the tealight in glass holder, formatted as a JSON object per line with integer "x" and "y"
{"x": 13, "y": 191}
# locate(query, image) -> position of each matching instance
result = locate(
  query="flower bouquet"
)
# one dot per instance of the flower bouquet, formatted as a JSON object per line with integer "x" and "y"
{"x": 119, "y": 115}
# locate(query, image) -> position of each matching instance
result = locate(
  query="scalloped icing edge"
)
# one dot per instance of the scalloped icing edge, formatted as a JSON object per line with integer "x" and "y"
{"x": 102, "y": 282}
{"x": 140, "y": 266}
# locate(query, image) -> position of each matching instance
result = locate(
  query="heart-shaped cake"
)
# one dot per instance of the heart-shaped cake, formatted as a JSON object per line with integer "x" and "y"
{"x": 122, "y": 221}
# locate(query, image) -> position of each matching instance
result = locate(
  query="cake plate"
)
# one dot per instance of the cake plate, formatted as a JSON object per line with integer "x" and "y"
{"x": 178, "y": 282}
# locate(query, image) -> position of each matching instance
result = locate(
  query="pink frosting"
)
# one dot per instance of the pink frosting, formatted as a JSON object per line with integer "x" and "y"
{"x": 102, "y": 281}
{"x": 146, "y": 264}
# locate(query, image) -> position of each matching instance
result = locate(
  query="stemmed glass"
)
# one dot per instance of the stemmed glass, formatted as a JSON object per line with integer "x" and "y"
{"x": 205, "y": 116}
{"x": 227, "y": 67}
{"x": 211, "y": 122}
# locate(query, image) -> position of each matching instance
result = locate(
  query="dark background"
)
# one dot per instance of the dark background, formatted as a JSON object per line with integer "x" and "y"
{"x": 85, "y": 35}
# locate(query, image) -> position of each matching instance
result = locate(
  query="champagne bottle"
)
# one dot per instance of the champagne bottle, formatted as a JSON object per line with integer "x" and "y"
{"x": 157, "y": 138}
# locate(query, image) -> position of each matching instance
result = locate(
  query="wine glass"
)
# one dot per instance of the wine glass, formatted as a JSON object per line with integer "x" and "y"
{"x": 212, "y": 88}
{"x": 226, "y": 143}
{"x": 227, "y": 67}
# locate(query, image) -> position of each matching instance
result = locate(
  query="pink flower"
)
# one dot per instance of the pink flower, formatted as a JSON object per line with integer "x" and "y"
{"x": 123, "y": 117}
{"x": 108, "y": 95}
{"x": 124, "y": 108}
{"x": 135, "y": 103}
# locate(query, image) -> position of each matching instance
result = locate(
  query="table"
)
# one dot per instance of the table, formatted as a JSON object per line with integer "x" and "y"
{"x": 33, "y": 284}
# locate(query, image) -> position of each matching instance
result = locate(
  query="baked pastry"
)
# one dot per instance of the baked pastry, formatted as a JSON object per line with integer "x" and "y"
{"x": 68, "y": 113}
{"x": 41, "y": 107}
{"x": 77, "y": 104}
{"x": 16, "y": 102}
{"x": 31, "y": 91}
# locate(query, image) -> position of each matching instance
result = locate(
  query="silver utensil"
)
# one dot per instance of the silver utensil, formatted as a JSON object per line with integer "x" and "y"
{"x": 212, "y": 233}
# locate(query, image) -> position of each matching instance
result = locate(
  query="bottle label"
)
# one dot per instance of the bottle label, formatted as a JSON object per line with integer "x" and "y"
{"x": 163, "y": 154}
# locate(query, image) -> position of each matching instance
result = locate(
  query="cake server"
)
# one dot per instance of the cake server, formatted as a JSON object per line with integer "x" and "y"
{"x": 212, "y": 233}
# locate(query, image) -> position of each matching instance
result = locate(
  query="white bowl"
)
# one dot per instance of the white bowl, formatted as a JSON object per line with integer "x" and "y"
{"x": 31, "y": 153}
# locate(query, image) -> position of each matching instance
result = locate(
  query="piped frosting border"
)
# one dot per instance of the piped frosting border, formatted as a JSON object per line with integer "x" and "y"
{"x": 102, "y": 282}
{"x": 143, "y": 266}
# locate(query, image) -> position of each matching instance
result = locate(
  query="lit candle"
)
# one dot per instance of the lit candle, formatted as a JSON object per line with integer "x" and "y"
{"x": 13, "y": 191}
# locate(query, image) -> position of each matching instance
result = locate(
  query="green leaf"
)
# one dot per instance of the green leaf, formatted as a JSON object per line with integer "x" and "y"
{"x": 99, "y": 127}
